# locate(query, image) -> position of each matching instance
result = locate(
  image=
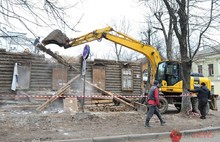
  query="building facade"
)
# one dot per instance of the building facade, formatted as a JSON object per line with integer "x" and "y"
{"x": 207, "y": 62}
{"x": 36, "y": 73}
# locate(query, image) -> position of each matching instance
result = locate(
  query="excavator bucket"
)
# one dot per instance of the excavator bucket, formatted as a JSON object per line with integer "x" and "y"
{"x": 56, "y": 37}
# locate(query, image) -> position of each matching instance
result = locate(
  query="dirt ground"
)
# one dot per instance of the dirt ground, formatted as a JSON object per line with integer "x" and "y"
{"x": 26, "y": 126}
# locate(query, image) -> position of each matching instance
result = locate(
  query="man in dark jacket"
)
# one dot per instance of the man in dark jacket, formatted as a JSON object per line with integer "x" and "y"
{"x": 153, "y": 103}
{"x": 36, "y": 41}
{"x": 203, "y": 94}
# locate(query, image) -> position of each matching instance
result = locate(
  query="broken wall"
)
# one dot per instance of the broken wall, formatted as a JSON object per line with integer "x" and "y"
{"x": 123, "y": 78}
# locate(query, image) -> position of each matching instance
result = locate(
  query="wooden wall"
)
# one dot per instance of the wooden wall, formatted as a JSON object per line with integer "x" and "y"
{"x": 41, "y": 72}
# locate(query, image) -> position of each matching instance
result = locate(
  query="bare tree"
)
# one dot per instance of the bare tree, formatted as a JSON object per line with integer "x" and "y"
{"x": 148, "y": 37}
{"x": 23, "y": 14}
{"x": 192, "y": 23}
{"x": 130, "y": 55}
{"x": 180, "y": 14}
{"x": 163, "y": 23}
{"x": 123, "y": 26}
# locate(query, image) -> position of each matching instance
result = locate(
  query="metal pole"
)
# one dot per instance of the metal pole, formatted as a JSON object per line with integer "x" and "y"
{"x": 84, "y": 87}
{"x": 86, "y": 52}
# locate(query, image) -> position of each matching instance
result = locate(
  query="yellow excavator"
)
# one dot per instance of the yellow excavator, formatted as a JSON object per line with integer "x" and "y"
{"x": 166, "y": 72}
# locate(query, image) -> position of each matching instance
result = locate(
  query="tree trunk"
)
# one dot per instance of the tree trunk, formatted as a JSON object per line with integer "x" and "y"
{"x": 169, "y": 41}
{"x": 180, "y": 29}
{"x": 186, "y": 102}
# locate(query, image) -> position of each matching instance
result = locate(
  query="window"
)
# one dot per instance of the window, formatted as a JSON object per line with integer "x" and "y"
{"x": 200, "y": 69}
{"x": 160, "y": 71}
{"x": 172, "y": 74}
{"x": 24, "y": 74}
{"x": 168, "y": 71}
{"x": 211, "y": 70}
{"x": 127, "y": 79}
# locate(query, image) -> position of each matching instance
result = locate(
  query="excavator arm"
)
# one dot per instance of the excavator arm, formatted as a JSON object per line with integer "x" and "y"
{"x": 110, "y": 34}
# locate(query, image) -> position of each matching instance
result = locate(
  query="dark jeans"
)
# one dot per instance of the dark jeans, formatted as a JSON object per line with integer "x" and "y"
{"x": 151, "y": 111}
{"x": 202, "y": 107}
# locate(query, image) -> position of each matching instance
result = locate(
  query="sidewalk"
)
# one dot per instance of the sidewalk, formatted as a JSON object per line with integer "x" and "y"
{"x": 196, "y": 133}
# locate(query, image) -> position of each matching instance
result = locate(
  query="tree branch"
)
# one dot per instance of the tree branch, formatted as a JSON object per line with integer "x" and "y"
{"x": 206, "y": 28}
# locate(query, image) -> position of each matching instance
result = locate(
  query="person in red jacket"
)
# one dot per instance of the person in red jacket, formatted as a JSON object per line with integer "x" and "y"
{"x": 153, "y": 103}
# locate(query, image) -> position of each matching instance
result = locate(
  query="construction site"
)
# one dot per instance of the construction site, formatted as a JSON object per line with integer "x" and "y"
{"x": 61, "y": 99}
{"x": 55, "y": 88}
{"x": 49, "y": 107}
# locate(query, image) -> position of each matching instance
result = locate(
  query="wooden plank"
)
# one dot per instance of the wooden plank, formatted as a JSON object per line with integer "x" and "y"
{"x": 58, "y": 94}
{"x": 52, "y": 99}
{"x": 119, "y": 97}
{"x": 110, "y": 94}
{"x": 22, "y": 106}
{"x": 101, "y": 101}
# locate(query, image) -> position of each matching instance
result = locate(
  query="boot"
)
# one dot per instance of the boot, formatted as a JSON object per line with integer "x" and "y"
{"x": 202, "y": 117}
{"x": 147, "y": 124}
{"x": 162, "y": 123}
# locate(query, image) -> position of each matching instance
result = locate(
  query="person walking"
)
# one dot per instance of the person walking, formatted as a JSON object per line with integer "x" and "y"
{"x": 203, "y": 95}
{"x": 153, "y": 103}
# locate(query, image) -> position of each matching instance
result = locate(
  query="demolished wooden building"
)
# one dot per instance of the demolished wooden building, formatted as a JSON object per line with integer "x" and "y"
{"x": 39, "y": 77}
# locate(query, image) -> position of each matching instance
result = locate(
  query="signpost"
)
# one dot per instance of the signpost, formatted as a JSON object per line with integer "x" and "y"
{"x": 85, "y": 55}
{"x": 86, "y": 52}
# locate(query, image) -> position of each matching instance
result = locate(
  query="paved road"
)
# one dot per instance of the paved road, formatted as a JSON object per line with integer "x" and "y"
{"x": 209, "y": 136}
{"x": 195, "y": 137}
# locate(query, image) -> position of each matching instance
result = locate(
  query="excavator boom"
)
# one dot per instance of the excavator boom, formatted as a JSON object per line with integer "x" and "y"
{"x": 57, "y": 37}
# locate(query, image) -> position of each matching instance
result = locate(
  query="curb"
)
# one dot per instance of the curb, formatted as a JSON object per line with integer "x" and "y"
{"x": 133, "y": 137}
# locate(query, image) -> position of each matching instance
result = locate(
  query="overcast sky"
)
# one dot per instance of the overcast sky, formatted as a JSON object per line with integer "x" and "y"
{"x": 99, "y": 14}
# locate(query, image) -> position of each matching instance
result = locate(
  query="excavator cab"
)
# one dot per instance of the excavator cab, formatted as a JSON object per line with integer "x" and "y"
{"x": 168, "y": 74}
